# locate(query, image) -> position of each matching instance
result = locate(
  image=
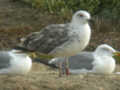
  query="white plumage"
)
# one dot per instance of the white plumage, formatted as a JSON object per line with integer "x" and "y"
{"x": 99, "y": 61}
{"x": 12, "y": 62}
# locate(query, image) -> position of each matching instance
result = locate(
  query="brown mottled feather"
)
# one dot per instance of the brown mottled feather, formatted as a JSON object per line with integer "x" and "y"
{"x": 47, "y": 39}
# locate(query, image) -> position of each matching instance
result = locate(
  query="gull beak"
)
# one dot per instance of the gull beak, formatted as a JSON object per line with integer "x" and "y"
{"x": 91, "y": 20}
{"x": 116, "y": 53}
{"x": 117, "y": 57}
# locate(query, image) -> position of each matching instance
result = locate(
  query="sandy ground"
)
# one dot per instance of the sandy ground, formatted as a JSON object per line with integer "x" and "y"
{"x": 44, "y": 78}
{"x": 16, "y": 21}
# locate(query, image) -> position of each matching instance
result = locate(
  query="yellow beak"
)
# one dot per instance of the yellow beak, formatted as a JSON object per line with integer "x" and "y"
{"x": 116, "y": 53}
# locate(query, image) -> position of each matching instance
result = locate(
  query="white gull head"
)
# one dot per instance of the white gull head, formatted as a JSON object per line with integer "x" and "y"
{"x": 105, "y": 49}
{"x": 81, "y": 17}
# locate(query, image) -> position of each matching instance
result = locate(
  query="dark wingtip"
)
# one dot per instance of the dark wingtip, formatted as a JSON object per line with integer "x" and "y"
{"x": 23, "y": 49}
{"x": 45, "y": 62}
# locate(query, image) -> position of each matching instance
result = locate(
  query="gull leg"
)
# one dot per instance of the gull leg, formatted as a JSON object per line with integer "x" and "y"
{"x": 67, "y": 66}
{"x": 60, "y": 69}
{"x": 63, "y": 68}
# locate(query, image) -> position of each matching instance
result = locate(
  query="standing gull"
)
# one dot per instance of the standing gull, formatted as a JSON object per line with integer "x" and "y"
{"x": 61, "y": 40}
{"x": 99, "y": 61}
{"x": 14, "y": 62}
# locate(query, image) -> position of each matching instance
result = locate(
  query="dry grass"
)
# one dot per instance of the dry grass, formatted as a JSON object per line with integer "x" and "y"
{"x": 104, "y": 25}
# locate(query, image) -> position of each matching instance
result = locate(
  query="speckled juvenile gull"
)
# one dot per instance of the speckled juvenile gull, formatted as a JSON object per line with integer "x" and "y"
{"x": 13, "y": 62}
{"x": 61, "y": 40}
{"x": 99, "y": 61}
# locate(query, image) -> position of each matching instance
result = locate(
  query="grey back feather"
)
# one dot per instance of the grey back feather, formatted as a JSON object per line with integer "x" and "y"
{"x": 82, "y": 61}
{"x": 47, "y": 39}
{"x": 4, "y": 59}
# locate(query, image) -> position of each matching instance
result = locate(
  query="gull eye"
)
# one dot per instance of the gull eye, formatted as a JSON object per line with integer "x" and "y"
{"x": 81, "y": 15}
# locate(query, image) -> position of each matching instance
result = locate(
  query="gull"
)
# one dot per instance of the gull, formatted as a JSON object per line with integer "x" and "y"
{"x": 100, "y": 61}
{"x": 61, "y": 40}
{"x": 14, "y": 62}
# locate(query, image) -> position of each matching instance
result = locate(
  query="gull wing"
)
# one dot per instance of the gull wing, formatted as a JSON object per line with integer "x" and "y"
{"x": 84, "y": 60}
{"x": 47, "y": 39}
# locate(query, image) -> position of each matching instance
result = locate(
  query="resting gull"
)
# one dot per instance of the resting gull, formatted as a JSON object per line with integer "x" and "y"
{"x": 99, "y": 61}
{"x": 14, "y": 62}
{"x": 61, "y": 40}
